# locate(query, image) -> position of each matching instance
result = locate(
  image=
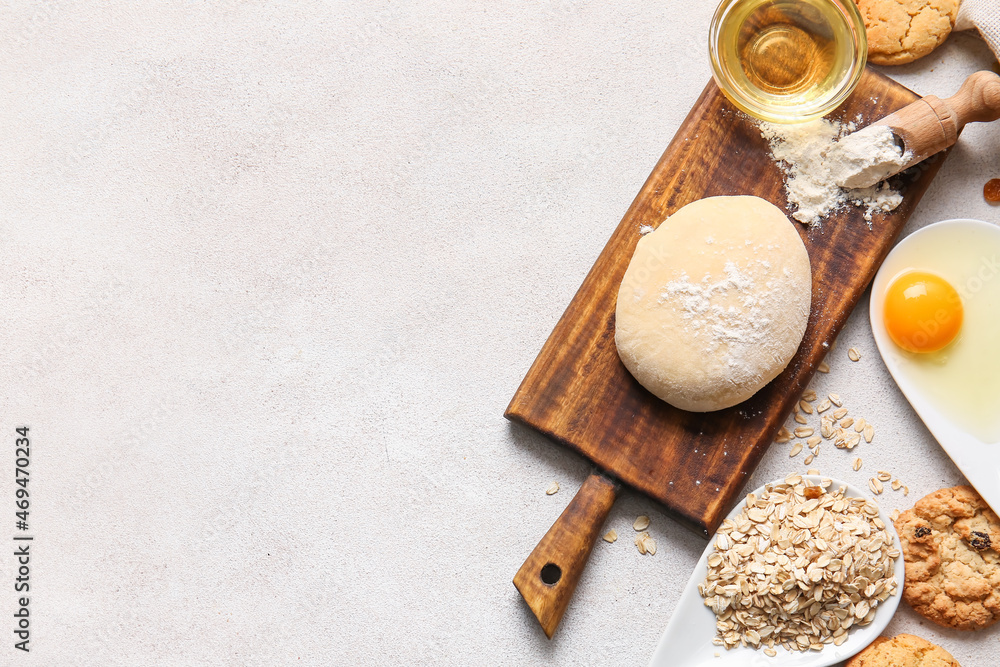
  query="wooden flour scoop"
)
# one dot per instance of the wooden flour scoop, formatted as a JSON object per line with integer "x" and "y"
{"x": 930, "y": 125}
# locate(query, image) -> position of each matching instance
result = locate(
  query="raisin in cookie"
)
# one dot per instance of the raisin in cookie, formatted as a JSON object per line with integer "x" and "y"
{"x": 950, "y": 541}
{"x": 900, "y": 31}
{"x": 903, "y": 651}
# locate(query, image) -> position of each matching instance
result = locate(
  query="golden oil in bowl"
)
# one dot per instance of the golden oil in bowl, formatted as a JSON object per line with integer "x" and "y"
{"x": 787, "y": 61}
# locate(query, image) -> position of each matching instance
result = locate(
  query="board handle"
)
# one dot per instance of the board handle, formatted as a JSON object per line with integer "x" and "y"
{"x": 549, "y": 576}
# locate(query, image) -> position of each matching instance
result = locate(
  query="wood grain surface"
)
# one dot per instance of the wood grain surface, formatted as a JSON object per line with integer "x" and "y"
{"x": 549, "y": 576}
{"x": 579, "y": 394}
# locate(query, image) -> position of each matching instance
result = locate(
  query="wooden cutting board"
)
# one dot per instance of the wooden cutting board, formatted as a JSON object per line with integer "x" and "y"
{"x": 579, "y": 394}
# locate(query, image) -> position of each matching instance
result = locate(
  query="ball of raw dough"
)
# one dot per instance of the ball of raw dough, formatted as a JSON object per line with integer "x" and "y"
{"x": 714, "y": 303}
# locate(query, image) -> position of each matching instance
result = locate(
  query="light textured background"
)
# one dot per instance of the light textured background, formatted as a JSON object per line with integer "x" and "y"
{"x": 270, "y": 274}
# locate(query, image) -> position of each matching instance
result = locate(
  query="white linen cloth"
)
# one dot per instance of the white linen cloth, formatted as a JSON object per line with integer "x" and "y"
{"x": 983, "y": 15}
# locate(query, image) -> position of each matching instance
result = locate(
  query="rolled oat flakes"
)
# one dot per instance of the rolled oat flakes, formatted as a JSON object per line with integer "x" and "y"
{"x": 798, "y": 567}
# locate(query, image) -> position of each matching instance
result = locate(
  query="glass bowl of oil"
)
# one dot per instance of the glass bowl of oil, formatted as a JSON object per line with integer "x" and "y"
{"x": 787, "y": 61}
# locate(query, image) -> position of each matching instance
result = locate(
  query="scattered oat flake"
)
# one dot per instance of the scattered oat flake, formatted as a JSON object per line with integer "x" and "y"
{"x": 835, "y": 399}
{"x": 806, "y": 407}
{"x": 645, "y": 544}
{"x": 847, "y": 423}
{"x": 803, "y": 432}
{"x": 812, "y": 471}
{"x": 906, "y": 490}
{"x": 859, "y": 424}
{"x": 553, "y": 488}
{"x": 823, "y": 367}
{"x": 770, "y": 652}
{"x": 840, "y": 413}
{"x": 641, "y": 522}
{"x": 896, "y": 485}
{"x": 814, "y": 440}
{"x": 869, "y": 432}
{"x": 824, "y": 406}
{"x": 875, "y": 486}
{"x": 800, "y": 419}
{"x": 857, "y": 464}
{"x": 854, "y": 354}
{"x": 894, "y": 515}
{"x": 809, "y": 395}
{"x": 796, "y": 448}
{"x": 808, "y": 459}
{"x": 610, "y": 536}
{"x": 884, "y": 476}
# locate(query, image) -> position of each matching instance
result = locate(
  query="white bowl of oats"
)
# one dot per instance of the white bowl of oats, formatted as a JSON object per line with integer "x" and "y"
{"x": 805, "y": 572}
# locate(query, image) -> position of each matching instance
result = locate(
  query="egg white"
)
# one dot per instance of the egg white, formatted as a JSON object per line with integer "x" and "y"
{"x": 961, "y": 381}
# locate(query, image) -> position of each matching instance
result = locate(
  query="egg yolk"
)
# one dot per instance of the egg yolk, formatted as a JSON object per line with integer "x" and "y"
{"x": 923, "y": 312}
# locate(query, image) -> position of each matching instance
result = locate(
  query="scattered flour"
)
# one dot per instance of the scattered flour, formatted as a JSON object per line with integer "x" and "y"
{"x": 806, "y": 152}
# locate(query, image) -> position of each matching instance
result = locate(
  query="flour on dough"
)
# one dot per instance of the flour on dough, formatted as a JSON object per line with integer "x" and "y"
{"x": 714, "y": 303}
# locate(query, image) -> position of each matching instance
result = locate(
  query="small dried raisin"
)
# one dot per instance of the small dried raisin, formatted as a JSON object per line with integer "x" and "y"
{"x": 992, "y": 190}
{"x": 979, "y": 541}
{"x": 812, "y": 492}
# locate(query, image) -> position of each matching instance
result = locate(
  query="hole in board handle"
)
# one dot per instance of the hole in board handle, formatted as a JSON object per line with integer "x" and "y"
{"x": 551, "y": 574}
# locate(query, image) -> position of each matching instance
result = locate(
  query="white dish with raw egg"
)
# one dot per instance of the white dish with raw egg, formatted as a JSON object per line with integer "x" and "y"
{"x": 935, "y": 315}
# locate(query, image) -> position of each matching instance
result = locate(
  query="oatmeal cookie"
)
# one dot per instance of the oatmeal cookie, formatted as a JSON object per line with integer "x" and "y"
{"x": 903, "y": 651}
{"x": 950, "y": 542}
{"x": 900, "y": 31}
